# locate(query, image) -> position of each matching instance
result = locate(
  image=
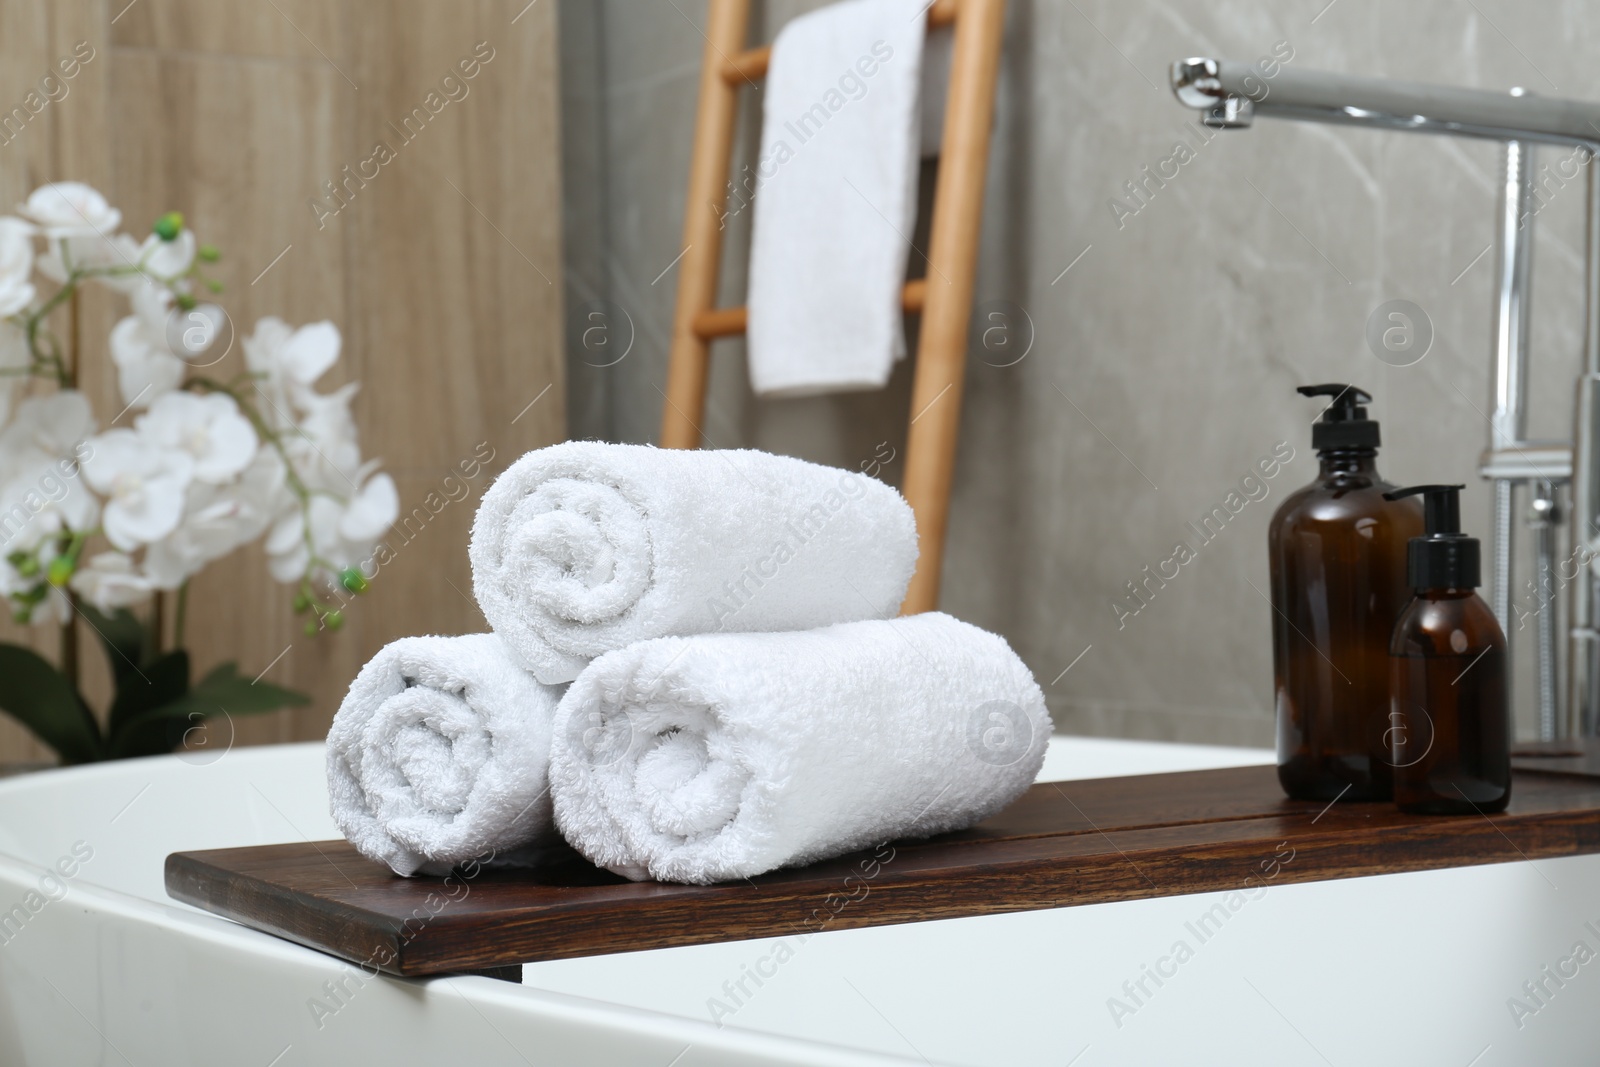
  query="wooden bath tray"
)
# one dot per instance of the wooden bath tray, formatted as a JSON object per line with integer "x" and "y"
{"x": 1060, "y": 845}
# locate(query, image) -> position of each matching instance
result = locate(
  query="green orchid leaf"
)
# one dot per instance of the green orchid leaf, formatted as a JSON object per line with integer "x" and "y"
{"x": 122, "y": 635}
{"x": 157, "y": 731}
{"x": 230, "y": 691}
{"x": 39, "y": 697}
{"x": 222, "y": 692}
{"x": 152, "y": 686}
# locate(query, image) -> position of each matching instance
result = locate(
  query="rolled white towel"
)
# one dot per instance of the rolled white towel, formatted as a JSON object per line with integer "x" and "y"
{"x": 587, "y": 547}
{"x": 723, "y": 756}
{"x": 438, "y": 755}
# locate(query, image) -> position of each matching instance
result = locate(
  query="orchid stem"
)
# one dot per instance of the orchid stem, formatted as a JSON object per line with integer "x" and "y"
{"x": 66, "y": 371}
{"x": 74, "y": 321}
{"x": 180, "y": 615}
{"x": 69, "y": 641}
{"x": 292, "y": 478}
{"x": 158, "y": 613}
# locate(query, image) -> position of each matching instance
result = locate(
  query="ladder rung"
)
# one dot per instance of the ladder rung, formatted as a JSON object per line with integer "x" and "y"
{"x": 751, "y": 64}
{"x": 726, "y": 322}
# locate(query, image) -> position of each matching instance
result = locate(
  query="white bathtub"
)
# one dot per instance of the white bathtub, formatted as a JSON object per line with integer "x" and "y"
{"x": 99, "y": 967}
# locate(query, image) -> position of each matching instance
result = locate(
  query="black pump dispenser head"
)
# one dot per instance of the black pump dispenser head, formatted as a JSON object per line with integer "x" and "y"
{"x": 1344, "y": 422}
{"x": 1444, "y": 557}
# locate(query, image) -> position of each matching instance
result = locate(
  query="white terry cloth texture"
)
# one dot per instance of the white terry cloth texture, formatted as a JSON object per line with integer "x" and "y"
{"x": 723, "y": 756}
{"x": 438, "y": 755}
{"x": 585, "y": 547}
{"x": 836, "y": 198}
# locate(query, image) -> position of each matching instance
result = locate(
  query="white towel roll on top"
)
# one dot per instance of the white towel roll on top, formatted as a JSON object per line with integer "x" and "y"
{"x": 586, "y": 547}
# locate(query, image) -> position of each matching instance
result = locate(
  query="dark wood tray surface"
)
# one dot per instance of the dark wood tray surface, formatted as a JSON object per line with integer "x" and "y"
{"x": 1060, "y": 845}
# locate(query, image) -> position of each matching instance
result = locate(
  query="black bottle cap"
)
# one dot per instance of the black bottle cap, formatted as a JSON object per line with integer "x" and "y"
{"x": 1444, "y": 557}
{"x": 1344, "y": 422}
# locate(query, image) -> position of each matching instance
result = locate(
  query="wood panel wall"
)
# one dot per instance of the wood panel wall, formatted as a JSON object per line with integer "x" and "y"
{"x": 442, "y": 271}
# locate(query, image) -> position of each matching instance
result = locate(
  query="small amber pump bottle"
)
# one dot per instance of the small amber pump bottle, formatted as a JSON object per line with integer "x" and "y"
{"x": 1337, "y": 550}
{"x": 1449, "y": 724}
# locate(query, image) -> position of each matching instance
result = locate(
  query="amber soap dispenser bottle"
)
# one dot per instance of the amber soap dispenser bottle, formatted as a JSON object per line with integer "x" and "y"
{"x": 1337, "y": 553}
{"x": 1449, "y": 722}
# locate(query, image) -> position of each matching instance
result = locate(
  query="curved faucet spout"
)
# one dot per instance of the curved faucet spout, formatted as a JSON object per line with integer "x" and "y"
{"x": 1209, "y": 85}
{"x": 1197, "y": 84}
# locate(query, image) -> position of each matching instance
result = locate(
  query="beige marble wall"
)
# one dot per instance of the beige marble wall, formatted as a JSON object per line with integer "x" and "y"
{"x": 1163, "y": 363}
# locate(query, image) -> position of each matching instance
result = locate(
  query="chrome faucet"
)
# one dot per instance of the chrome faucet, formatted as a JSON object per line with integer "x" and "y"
{"x": 1232, "y": 95}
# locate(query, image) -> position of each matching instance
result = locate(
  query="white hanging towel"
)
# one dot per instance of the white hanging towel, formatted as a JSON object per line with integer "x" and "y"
{"x": 836, "y": 198}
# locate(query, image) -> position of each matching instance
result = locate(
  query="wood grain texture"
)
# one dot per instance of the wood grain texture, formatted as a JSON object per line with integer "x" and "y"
{"x": 752, "y": 63}
{"x": 441, "y": 271}
{"x": 683, "y": 409}
{"x": 730, "y": 321}
{"x": 69, "y": 136}
{"x": 309, "y": 30}
{"x": 941, "y": 366}
{"x": 461, "y": 344}
{"x": 1061, "y": 845}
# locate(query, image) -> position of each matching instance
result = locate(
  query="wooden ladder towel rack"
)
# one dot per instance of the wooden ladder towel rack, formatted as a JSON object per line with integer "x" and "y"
{"x": 944, "y": 298}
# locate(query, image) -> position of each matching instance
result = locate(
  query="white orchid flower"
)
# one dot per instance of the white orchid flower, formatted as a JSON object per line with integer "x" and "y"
{"x": 143, "y": 484}
{"x": 290, "y": 361}
{"x": 343, "y": 533}
{"x": 146, "y": 371}
{"x": 261, "y": 347}
{"x": 167, "y": 259}
{"x": 261, "y": 359}
{"x": 370, "y": 512}
{"x": 41, "y": 494}
{"x": 111, "y": 580}
{"x": 218, "y": 519}
{"x": 209, "y": 428}
{"x": 11, "y": 581}
{"x": 46, "y": 428}
{"x": 70, "y": 209}
{"x": 16, "y": 266}
{"x": 198, "y": 474}
{"x": 323, "y": 446}
{"x": 54, "y": 610}
{"x": 288, "y": 555}
{"x": 152, "y": 302}
{"x": 195, "y": 331}
{"x": 42, "y": 504}
{"x": 93, "y": 251}
{"x": 79, "y": 228}
{"x": 309, "y": 352}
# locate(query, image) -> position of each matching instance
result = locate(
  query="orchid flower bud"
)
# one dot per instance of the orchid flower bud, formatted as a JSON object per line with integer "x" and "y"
{"x": 60, "y": 571}
{"x": 168, "y": 226}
